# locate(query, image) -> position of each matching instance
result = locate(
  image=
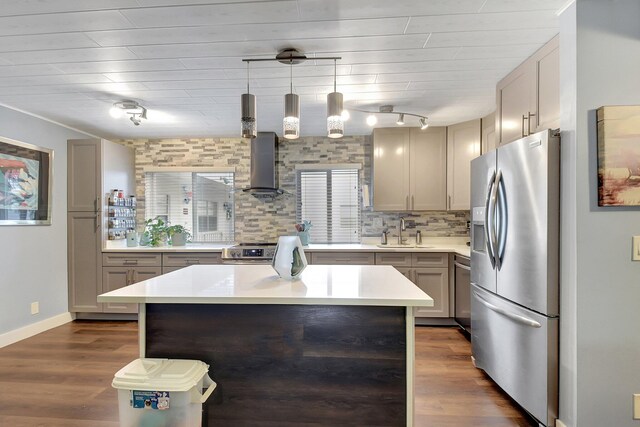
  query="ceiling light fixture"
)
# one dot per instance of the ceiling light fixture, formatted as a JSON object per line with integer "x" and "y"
{"x": 125, "y": 107}
{"x": 291, "y": 121}
{"x": 248, "y": 121}
{"x": 335, "y": 124}
{"x": 372, "y": 120}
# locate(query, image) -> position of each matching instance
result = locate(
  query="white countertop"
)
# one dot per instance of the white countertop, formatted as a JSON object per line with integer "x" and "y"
{"x": 436, "y": 244}
{"x": 259, "y": 284}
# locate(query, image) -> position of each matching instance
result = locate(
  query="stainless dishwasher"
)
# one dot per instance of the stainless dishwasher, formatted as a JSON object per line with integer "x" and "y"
{"x": 462, "y": 292}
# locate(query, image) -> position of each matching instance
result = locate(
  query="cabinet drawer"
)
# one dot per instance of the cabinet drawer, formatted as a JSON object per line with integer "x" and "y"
{"x": 430, "y": 259}
{"x": 119, "y": 259}
{"x": 393, "y": 258}
{"x": 186, "y": 259}
{"x": 338, "y": 258}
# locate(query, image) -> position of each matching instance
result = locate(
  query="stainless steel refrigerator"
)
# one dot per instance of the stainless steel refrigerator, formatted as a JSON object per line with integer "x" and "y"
{"x": 515, "y": 202}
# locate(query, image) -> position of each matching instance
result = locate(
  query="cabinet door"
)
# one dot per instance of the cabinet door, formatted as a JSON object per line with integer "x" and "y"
{"x": 115, "y": 278}
{"x": 488, "y": 139}
{"x": 548, "y": 64}
{"x": 185, "y": 259}
{"x": 515, "y": 98}
{"x": 463, "y": 145}
{"x": 344, "y": 258}
{"x": 84, "y": 262}
{"x": 428, "y": 169}
{"x": 144, "y": 273}
{"x": 435, "y": 283}
{"x": 84, "y": 184}
{"x": 390, "y": 169}
{"x": 406, "y": 271}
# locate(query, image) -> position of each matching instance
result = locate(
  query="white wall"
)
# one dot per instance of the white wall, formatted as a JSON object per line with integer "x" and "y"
{"x": 600, "y": 341}
{"x": 33, "y": 259}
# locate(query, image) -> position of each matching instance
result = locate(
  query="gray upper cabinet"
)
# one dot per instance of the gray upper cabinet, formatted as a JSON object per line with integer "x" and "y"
{"x": 409, "y": 169}
{"x": 83, "y": 174}
{"x": 463, "y": 145}
{"x": 488, "y": 138}
{"x": 528, "y": 98}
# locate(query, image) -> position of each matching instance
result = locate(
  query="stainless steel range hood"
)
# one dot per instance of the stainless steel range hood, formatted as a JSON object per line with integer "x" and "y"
{"x": 264, "y": 173}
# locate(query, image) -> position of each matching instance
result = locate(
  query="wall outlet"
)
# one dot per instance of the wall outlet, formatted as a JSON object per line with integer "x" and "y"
{"x": 35, "y": 307}
{"x": 635, "y": 248}
{"x": 636, "y": 406}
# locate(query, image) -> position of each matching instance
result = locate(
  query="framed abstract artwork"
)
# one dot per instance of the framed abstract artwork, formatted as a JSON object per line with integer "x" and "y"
{"x": 619, "y": 155}
{"x": 25, "y": 183}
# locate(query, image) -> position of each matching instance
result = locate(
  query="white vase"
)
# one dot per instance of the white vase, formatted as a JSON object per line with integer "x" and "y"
{"x": 289, "y": 260}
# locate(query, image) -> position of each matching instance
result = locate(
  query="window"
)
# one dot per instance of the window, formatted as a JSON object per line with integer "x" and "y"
{"x": 200, "y": 200}
{"x": 329, "y": 198}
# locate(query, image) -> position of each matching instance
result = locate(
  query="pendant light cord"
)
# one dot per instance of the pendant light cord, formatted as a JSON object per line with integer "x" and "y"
{"x": 335, "y": 72}
{"x": 291, "y": 76}
{"x": 247, "y": 77}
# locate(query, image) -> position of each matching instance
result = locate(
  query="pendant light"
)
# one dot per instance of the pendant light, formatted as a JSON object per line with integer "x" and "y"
{"x": 249, "y": 126}
{"x": 291, "y": 121}
{"x": 335, "y": 123}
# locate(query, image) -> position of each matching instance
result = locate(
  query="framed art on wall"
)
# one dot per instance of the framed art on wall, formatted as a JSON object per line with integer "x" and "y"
{"x": 619, "y": 155}
{"x": 25, "y": 183}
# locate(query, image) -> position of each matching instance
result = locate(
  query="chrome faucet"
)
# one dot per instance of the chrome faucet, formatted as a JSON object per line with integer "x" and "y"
{"x": 401, "y": 241}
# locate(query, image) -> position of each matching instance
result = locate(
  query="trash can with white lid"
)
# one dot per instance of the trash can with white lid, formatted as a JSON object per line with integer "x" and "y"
{"x": 162, "y": 392}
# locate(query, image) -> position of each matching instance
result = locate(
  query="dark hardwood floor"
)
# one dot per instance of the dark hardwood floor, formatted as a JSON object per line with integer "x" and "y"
{"x": 62, "y": 378}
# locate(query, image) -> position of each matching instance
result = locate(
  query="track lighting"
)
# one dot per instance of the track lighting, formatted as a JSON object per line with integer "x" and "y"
{"x": 372, "y": 120}
{"x": 125, "y": 107}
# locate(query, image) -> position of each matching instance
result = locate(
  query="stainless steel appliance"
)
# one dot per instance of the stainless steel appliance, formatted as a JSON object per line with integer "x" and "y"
{"x": 514, "y": 270}
{"x": 249, "y": 253}
{"x": 462, "y": 288}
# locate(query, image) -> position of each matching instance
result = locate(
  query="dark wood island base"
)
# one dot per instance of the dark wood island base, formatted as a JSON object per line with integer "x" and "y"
{"x": 291, "y": 365}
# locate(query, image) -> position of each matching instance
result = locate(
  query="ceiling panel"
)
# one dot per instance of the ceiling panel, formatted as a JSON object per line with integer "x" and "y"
{"x": 148, "y": 76}
{"x": 436, "y": 76}
{"x": 28, "y": 70}
{"x": 68, "y": 55}
{"x": 121, "y": 66}
{"x": 225, "y": 14}
{"x": 62, "y": 22}
{"x": 441, "y": 65}
{"x": 349, "y": 9}
{"x": 521, "y": 52}
{"x": 483, "y": 22}
{"x": 53, "y": 79}
{"x": 249, "y": 32}
{"x": 520, "y": 5}
{"x": 492, "y": 39}
{"x": 271, "y": 47}
{"x": 25, "y": 7}
{"x": 45, "y": 41}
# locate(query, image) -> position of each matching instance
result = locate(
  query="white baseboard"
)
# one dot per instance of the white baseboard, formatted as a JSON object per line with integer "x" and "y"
{"x": 35, "y": 328}
{"x": 560, "y": 424}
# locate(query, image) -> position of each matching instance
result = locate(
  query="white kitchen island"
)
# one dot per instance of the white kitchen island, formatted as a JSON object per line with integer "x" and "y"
{"x": 335, "y": 347}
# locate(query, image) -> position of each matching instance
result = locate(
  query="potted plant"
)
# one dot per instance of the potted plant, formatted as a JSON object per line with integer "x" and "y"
{"x": 178, "y": 234}
{"x": 155, "y": 232}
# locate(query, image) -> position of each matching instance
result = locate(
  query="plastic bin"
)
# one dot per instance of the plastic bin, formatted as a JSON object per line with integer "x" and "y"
{"x": 162, "y": 392}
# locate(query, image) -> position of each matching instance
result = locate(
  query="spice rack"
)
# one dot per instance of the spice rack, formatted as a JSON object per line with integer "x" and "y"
{"x": 121, "y": 215}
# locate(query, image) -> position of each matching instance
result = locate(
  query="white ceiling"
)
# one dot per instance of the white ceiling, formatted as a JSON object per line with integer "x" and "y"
{"x": 69, "y": 60}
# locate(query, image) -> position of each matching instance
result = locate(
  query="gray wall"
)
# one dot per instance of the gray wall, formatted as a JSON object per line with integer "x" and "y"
{"x": 33, "y": 259}
{"x": 600, "y": 345}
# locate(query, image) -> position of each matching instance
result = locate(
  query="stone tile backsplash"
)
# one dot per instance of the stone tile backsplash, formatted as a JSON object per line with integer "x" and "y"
{"x": 258, "y": 220}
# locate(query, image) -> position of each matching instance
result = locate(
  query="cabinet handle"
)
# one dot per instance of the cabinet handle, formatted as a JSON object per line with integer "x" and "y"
{"x": 127, "y": 282}
{"x": 529, "y": 122}
{"x": 130, "y": 262}
{"x": 192, "y": 261}
{"x": 523, "y": 119}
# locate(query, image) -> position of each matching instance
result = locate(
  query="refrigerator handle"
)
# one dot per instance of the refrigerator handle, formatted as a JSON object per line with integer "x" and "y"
{"x": 503, "y": 215}
{"x": 488, "y": 221}
{"x": 513, "y": 316}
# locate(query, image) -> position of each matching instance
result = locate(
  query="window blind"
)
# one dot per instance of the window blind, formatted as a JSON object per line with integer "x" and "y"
{"x": 329, "y": 198}
{"x": 200, "y": 201}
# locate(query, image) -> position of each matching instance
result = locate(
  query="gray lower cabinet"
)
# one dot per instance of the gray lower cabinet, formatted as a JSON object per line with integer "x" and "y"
{"x": 118, "y": 277}
{"x": 84, "y": 262}
{"x": 176, "y": 260}
{"x": 434, "y": 282}
{"x": 429, "y": 271}
{"x": 344, "y": 258}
